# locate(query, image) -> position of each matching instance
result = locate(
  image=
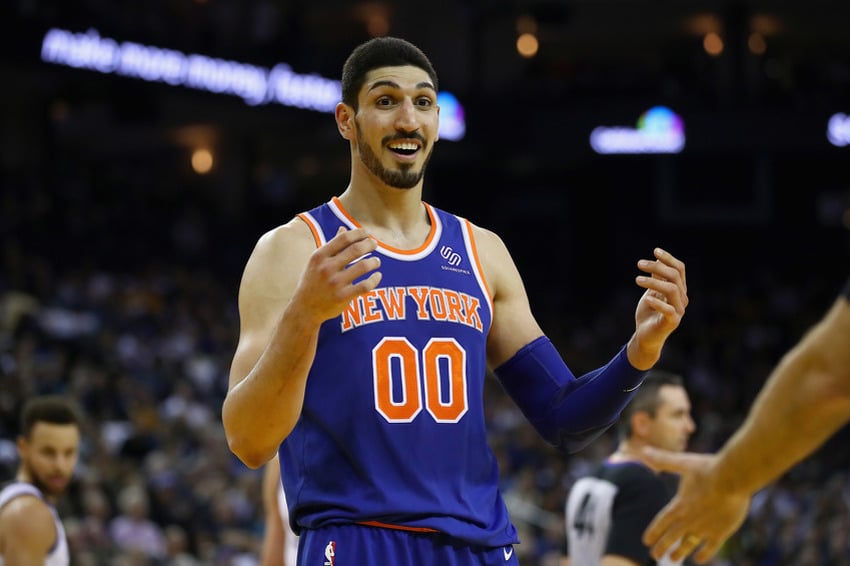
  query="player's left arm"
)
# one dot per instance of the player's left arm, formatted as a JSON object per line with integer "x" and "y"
{"x": 513, "y": 324}
{"x": 273, "y": 535}
{"x": 567, "y": 411}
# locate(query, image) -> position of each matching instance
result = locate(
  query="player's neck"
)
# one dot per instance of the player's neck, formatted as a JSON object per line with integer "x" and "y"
{"x": 394, "y": 216}
{"x": 23, "y": 477}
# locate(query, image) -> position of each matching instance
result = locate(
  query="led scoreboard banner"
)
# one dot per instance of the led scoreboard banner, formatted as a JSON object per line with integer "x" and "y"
{"x": 252, "y": 83}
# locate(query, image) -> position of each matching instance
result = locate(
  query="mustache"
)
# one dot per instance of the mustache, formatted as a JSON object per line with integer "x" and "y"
{"x": 404, "y": 136}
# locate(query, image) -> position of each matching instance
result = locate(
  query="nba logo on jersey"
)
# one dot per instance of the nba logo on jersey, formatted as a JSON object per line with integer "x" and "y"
{"x": 330, "y": 552}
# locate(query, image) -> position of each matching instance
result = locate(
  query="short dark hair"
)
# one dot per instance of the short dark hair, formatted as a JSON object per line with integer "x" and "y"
{"x": 51, "y": 409}
{"x": 646, "y": 398}
{"x": 376, "y": 53}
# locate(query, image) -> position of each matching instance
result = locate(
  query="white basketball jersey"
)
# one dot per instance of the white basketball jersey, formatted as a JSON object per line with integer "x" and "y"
{"x": 58, "y": 555}
{"x": 290, "y": 545}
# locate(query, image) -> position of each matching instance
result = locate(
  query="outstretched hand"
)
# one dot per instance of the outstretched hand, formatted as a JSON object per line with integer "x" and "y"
{"x": 702, "y": 514}
{"x": 662, "y": 306}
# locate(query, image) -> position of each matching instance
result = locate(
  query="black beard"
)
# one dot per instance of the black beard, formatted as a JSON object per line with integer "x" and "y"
{"x": 42, "y": 487}
{"x": 402, "y": 178}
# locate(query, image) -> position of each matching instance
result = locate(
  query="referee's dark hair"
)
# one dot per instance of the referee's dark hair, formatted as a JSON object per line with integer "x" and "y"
{"x": 646, "y": 398}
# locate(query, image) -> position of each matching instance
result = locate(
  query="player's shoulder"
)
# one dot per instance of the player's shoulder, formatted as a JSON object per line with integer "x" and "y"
{"x": 484, "y": 237}
{"x": 296, "y": 232}
{"x": 490, "y": 246}
{"x": 28, "y": 520}
{"x": 284, "y": 243}
{"x": 277, "y": 259}
{"x": 482, "y": 232}
{"x": 23, "y": 510}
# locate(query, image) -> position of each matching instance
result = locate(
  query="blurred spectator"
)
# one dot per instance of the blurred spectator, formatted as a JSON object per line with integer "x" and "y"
{"x": 132, "y": 530}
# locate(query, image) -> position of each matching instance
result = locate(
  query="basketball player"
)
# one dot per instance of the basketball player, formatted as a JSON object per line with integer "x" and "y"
{"x": 608, "y": 510}
{"x": 804, "y": 401}
{"x": 280, "y": 544}
{"x": 367, "y": 325}
{"x": 48, "y": 447}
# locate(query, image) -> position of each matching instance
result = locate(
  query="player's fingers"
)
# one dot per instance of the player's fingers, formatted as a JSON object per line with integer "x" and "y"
{"x": 687, "y": 545}
{"x": 665, "y": 307}
{"x": 367, "y": 284}
{"x": 354, "y": 252}
{"x": 669, "y": 289}
{"x": 344, "y": 238}
{"x": 708, "y": 550}
{"x": 663, "y": 291}
{"x": 669, "y": 268}
{"x": 669, "y": 259}
{"x": 659, "y": 269}
{"x": 667, "y": 541}
{"x": 654, "y": 534}
{"x": 360, "y": 268}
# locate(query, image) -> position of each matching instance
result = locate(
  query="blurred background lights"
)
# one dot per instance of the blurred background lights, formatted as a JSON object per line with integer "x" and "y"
{"x": 452, "y": 119}
{"x": 713, "y": 44}
{"x": 376, "y": 17}
{"x": 660, "y": 119}
{"x": 756, "y": 43}
{"x": 202, "y": 161}
{"x": 527, "y": 45}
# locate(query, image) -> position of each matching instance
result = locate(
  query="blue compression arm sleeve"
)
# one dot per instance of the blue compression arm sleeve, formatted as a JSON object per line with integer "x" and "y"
{"x": 568, "y": 412}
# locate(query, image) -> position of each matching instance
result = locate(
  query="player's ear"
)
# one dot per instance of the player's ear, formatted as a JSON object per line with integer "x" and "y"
{"x": 641, "y": 422}
{"x": 345, "y": 120}
{"x": 22, "y": 445}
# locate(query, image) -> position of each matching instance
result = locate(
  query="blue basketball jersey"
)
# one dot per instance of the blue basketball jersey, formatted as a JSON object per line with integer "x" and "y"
{"x": 392, "y": 428}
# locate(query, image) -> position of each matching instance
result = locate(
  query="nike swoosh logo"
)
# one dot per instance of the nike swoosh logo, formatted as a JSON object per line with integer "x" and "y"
{"x": 508, "y": 553}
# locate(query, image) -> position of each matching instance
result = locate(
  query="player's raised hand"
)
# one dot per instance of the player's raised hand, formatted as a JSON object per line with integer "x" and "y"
{"x": 702, "y": 514}
{"x": 662, "y": 306}
{"x": 337, "y": 273}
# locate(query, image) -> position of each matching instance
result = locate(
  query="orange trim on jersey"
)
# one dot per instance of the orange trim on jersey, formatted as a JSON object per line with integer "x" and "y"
{"x": 476, "y": 259}
{"x": 424, "y": 245}
{"x": 397, "y": 527}
{"x": 314, "y": 229}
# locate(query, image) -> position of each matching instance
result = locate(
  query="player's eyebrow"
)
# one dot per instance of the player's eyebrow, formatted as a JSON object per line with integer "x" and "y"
{"x": 393, "y": 84}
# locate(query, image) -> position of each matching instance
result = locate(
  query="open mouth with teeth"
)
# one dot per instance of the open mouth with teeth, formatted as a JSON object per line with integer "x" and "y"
{"x": 404, "y": 148}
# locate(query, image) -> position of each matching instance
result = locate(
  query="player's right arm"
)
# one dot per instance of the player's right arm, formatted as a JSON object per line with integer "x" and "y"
{"x": 571, "y": 412}
{"x": 27, "y": 531}
{"x": 289, "y": 287}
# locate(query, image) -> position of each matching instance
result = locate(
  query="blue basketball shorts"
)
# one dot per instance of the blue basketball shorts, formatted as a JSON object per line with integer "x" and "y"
{"x": 359, "y": 545}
